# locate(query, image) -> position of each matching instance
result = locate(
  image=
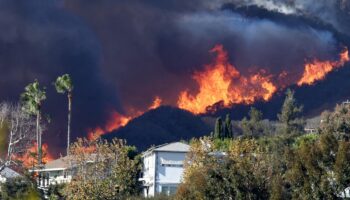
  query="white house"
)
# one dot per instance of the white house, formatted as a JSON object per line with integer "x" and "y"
{"x": 58, "y": 171}
{"x": 163, "y": 168}
{"x": 54, "y": 172}
{"x": 8, "y": 173}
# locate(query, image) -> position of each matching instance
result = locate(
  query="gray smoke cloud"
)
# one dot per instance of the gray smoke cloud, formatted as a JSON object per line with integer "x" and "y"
{"x": 335, "y": 12}
{"x": 39, "y": 40}
{"x": 151, "y": 48}
{"x": 122, "y": 54}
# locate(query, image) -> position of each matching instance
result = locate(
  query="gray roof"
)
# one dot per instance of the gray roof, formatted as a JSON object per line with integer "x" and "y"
{"x": 9, "y": 173}
{"x": 313, "y": 122}
{"x": 61, "y": 163}
{"x": 171, "y": 147}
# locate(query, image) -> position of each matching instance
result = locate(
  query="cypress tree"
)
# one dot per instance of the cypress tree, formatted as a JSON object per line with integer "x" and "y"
{"x": 290, "y": 115}
{"x": 218, "y": 128}
{"x": 228, "y": 127}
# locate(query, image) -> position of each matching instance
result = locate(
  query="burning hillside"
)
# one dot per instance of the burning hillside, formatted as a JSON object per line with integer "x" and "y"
{"x": 118, "y": 120}
{"x": 317, "y": 70}
{"x": 221, "y": 83}
{"x": 123, "y": 64}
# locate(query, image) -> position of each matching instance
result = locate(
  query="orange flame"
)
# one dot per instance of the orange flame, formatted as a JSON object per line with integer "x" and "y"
{"x": 29, "y": 158}
{"x": 222, "y": 82}
{"x": 317, "y": 70}
{"x": 118, "y": 120}
{"x": 156, "y": 103}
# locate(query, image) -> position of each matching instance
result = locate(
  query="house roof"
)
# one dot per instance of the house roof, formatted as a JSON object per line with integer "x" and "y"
{"x": 313, "y": 123}
{"x": 170, "y": 147}
{"x": 63, "y": 163}
{"x": 9, "y": 173}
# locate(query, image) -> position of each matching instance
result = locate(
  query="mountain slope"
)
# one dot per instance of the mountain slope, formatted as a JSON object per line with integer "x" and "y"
{"x": 162, "y": 125}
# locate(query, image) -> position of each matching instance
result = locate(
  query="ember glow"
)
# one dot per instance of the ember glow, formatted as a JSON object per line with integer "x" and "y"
{"x": 317, "y": 70}
{"x": 222, "y": 82}
{"x": 118, "y": 120}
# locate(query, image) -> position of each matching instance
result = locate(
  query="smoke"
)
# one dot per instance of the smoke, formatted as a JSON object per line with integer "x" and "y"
{"x": 335, "y": 13}
{"x": 122, "y": 54}
{"x": 38, "y": 40}
{"x": 152, "y": 48}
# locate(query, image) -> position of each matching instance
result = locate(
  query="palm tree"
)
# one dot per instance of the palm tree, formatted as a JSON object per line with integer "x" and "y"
{"x": 64, "y": 85}
{"x": 32, "y": 99}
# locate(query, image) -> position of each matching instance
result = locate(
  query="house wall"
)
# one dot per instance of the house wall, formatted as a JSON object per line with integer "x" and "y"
{"x": 148, "y": 176}
{"x": 162, "y": 171}
{"x": 169, "y": 171}
{"x": 53, "y": 178}
{"x": 2, "y": 179}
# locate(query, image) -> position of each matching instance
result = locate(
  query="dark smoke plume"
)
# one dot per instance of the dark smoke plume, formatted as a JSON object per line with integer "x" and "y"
{"x": 121, "y": 54}
{"x": 39, "y": 40}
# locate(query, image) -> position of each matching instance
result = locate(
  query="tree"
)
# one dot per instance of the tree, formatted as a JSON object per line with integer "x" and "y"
{"x": 102, "y": 170}
{"x": 337, "y": 122}
{"x": 32, "y": 99}
{"x": 64, "y": 85}
{"x": 218, "y": 131}
{"x": 20, "y": 128}
{"x": 55, "y": 192}
{"x": 289, "y": 117}
{"x": 228, "y": 127}
{"x": 238, "y": 174}
{"x": 254, "y": 126}
{"x": 18, "y": 189}
{"x": 342, "y": 167}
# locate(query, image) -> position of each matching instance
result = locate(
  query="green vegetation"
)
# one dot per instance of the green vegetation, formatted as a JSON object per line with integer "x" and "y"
{"x": 223, "y": 129}
{"x": 286, "y": 164}
{"x": 104, "y": 170}
{"x": 253, "y": 127}
{"x": 290, "y": 116}
{"x": 19, "y": 189}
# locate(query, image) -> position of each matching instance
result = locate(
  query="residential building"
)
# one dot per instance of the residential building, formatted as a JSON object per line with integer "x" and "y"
{"x": 59, "y": 171}
{"x": 8, "y": 173}
{"x": 54, "y": 172}
{"x": 163, "y": 168}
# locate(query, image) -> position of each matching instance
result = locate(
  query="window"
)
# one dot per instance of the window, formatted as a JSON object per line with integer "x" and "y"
{"x": 164, "y": 190}
{"x": 172, "y": 165}
{"x": 172, "y": 189}
{"x": 168, "y": 189}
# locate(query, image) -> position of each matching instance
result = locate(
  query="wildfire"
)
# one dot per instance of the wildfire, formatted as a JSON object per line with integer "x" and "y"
{"x": 29, "y": 158}
{"x": 156, "y": 103}
{"x": 317, "y": 70}
{"x": 118, "y": 120}
{"x": 222, "y": 82}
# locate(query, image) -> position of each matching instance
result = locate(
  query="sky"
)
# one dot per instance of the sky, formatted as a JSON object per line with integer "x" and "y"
{"x": 123, "y": 54}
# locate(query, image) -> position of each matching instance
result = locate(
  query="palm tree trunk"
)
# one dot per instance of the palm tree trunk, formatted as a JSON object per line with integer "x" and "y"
{"x": 69, "y": 119}
{"x": 38, "y": 137}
